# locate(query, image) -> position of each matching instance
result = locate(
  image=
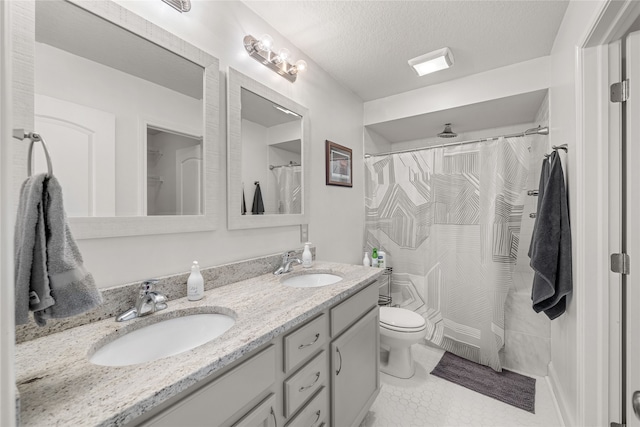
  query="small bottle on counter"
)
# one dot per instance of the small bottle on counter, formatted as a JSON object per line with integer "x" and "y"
{"x": 374, "y": 258}
{"x": 307, "y": 258}
{"x": 381, "y": 259}
{"x": 195, "y": 283}
{"x": 366, "y": 261}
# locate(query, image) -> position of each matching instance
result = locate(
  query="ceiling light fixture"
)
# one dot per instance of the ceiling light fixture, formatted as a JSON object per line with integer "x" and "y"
{"x": 262, "y": 51}
{"x": 432, "y": 61}
{"x": 179, "y": 5}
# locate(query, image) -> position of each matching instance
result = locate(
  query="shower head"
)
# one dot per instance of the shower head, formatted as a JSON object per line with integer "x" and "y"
{"x": 447, "y": 132}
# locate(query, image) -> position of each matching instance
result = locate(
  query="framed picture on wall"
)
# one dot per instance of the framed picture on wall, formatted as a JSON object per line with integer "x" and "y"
{"x": 339, "y": 166}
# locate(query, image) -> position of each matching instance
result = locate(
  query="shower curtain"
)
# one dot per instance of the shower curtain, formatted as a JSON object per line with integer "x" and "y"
{"x": 448, "y": 219}
{"x": 288, "y": 184}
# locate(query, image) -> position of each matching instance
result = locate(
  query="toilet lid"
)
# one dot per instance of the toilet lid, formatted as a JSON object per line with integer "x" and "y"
{"x": 401, "y": 319}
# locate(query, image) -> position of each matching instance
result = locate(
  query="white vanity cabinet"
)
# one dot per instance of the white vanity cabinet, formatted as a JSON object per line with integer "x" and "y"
{"x": 220, "y": 402}
{"x": 323, "y": 373}
{"x": 354, "y": 371}
{"x": 355, "y": 357}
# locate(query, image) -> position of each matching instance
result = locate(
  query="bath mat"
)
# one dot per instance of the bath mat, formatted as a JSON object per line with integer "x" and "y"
{"x": 508, "y": 387}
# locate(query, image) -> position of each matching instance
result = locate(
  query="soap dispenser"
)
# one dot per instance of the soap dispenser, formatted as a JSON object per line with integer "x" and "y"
{"x": 307, "y": 258}
{"x": 366, "y": 261}
{"x": 374, "y": 258}
{"x": 195, "y": 283}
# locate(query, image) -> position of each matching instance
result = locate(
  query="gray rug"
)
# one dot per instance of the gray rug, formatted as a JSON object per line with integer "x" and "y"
{"x": 506, "y": 386}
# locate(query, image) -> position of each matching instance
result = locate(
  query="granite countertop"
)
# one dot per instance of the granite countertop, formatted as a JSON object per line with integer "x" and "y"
{"x": 59, "y": 386}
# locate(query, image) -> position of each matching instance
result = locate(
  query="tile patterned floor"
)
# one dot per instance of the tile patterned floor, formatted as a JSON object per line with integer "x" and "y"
{"x": 426, "y": 400}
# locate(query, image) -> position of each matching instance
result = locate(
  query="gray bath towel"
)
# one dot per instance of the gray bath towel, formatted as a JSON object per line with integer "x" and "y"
{"x": 70, "y": 286}
{"x": 551, "y": 246}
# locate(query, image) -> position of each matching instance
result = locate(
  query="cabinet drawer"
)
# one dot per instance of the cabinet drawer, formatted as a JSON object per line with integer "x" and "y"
{"x": 260, "y": 416}
{"x": 217, "y": 402}
{"x": 305, "y": 341}
{"x": 315, "y": 413}
{"x": 304, "y": 383}
{"x": 347, "y": 312}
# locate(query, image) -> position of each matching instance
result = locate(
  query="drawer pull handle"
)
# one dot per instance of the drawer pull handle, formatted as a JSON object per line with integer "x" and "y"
{"x": 275, "y": 420}
{"x": 301, "y": 346}
{"x": 317, "y": 417}
{"x": 340, "y": 367}
{"x": 310, "y": 385}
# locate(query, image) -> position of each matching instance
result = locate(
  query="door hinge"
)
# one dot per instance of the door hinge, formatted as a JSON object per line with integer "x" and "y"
{"x": 620, "y": 263}
{"x": 613, "y": 424}
{"x": 620, "y": 91}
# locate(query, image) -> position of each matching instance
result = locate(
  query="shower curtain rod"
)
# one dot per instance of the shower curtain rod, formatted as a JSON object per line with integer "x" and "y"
{"x": 290, "y": 165}
{"x": 533, "y": 131}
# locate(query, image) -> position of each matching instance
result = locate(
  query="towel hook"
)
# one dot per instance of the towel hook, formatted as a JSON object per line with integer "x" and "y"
{"x": 34, "y": 137}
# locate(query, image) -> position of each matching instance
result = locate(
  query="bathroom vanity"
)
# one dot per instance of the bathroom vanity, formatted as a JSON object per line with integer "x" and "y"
{"x": 295, "y": 356}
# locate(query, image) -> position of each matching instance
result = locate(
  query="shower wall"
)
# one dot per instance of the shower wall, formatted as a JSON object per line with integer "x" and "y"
{"x": 527, "y": 333}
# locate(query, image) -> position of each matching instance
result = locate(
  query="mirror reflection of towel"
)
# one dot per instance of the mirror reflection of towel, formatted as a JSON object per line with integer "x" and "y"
{"x": 258, "y": 205}
{"x": 243, "y": 209}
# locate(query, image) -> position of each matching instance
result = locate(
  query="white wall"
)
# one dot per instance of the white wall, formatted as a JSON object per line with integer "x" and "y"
{"x": 62, "y": 75}
{"x": 336, "y": 214}
{"x": 565, "y": 120}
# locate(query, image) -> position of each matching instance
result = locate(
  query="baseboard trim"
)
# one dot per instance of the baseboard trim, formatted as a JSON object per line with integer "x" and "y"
{"x": 560, "y": 402}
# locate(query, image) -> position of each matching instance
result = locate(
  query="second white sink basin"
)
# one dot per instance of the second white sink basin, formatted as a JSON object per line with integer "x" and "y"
{"x": 311, "y": 280}
{"x": 164, "y": 338}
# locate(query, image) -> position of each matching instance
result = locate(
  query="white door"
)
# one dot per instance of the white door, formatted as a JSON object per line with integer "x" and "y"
{"x": 632, "y": 297}
{"x": 188, "y": 180}
{"x": 81, "y": 142}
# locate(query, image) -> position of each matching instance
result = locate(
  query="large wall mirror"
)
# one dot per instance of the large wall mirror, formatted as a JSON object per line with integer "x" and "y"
{"x": 130, "y": 114}
{"x": 267, "y": 156}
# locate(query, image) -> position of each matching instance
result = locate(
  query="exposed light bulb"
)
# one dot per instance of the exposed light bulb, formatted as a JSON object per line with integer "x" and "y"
{"x": 265, "y": 42}
{"x": 283, "y": 54}
{"x": 300, "y": 65}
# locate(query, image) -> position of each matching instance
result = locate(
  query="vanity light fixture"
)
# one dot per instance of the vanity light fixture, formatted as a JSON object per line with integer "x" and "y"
{"x": 262, "y": 51}
{"x": 432, "y": 61}
{"x": 179, "y": 5}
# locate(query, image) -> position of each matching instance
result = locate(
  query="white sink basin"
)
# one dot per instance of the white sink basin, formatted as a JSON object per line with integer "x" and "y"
{"x": 165, "y": 338}
{"x": 311, "y": 280}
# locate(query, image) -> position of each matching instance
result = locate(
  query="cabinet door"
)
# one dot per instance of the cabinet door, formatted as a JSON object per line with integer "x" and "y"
{"x": 262, "y": 415}
{"x": 355, "y": 378}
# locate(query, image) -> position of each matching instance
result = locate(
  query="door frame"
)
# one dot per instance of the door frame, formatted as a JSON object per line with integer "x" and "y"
{"x": 598, "y": 180}
{"x": 7, "y": 217}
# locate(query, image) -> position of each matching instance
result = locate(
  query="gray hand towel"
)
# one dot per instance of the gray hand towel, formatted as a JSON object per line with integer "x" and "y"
{"x": 31, "y": 281}
{"x": 72, "y": 287}
{"x": 551, "y": 246}
{"x": 49, "y": 270}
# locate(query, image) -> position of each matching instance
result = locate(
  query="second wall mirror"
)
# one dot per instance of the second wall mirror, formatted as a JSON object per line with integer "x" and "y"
{"x": 267, "y": 156}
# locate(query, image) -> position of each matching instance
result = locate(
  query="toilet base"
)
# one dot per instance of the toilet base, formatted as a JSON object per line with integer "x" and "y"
{"x": 400, "y": 363}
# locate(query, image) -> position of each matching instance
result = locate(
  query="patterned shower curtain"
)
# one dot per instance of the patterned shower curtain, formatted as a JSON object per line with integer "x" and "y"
{"x": 448, "y": 219}
{"x": 288, "y": 185}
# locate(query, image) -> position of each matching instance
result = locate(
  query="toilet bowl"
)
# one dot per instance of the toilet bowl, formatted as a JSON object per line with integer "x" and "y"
{"x": 399, "y": 330}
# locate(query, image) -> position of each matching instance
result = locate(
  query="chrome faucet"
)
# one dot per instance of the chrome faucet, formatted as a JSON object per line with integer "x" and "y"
{"x": 287, "y": 259}
{"x": 149, "y": 301}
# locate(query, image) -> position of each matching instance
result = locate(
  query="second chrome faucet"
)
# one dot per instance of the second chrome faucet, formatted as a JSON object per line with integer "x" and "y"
{"x": 287, "y": 259}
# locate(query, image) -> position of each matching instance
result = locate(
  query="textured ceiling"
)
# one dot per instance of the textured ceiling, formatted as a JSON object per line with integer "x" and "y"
{"x": 365, "y": 45}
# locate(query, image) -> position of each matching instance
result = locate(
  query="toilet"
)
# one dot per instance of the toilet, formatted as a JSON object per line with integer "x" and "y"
{"x": 399, "y": 330}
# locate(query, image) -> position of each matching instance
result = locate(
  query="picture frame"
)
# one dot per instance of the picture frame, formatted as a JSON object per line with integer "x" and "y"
{"x": 339, "y": 165}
